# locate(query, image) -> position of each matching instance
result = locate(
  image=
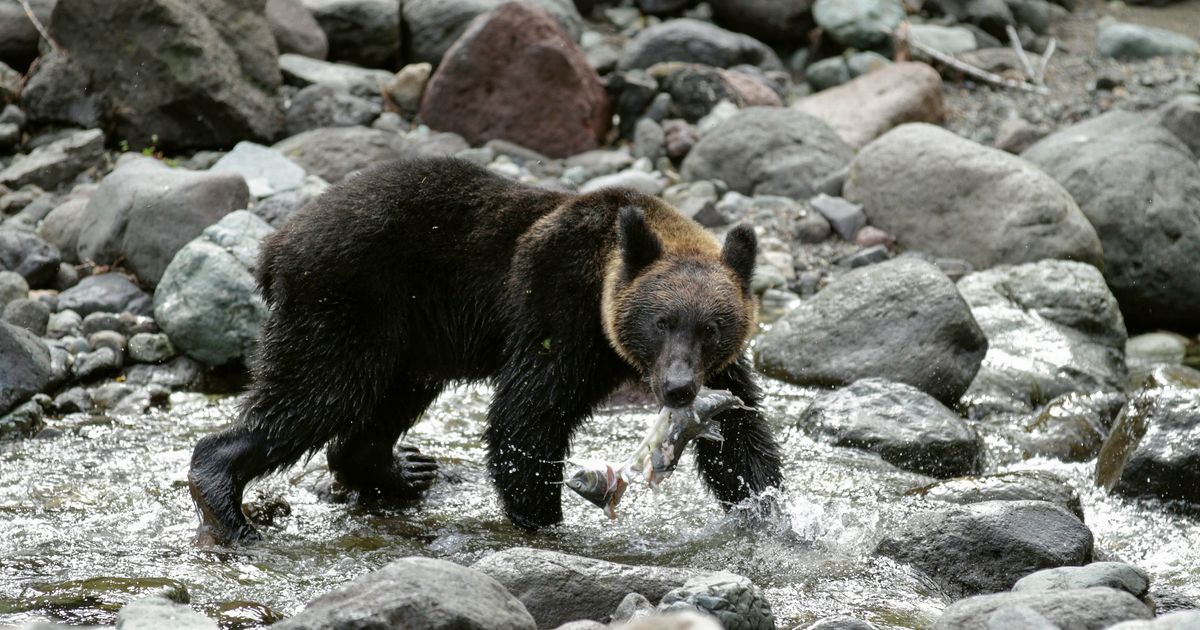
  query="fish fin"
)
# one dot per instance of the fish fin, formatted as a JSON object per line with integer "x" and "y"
{"x": 711, "y": 433}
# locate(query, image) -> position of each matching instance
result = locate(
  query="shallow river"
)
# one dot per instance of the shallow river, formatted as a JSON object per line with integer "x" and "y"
{"x": 101, "y": 514}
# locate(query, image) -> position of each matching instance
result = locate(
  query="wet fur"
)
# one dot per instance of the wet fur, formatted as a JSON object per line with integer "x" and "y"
{"x": 418, "y": 274}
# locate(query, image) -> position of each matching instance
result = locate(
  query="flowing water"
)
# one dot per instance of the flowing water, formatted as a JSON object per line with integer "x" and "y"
{"x": 101, "y": 514}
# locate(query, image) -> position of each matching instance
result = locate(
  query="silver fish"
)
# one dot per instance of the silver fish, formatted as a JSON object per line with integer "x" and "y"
{"x": 601, "y": 483}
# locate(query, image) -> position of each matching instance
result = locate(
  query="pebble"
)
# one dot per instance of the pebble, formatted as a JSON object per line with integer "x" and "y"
{"x": 99, "y": 362}
{"x": 844, "y": 217}
{"x": 64, "y": 323}
{"x": 95, "y": 322}
{"x": 12, "y": 287}
{"x": 32, "y": 315}
{"x": 110, "y": 339}
{"x": 150, "y": 348}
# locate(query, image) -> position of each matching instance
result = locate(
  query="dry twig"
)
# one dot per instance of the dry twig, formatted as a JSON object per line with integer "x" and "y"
{"x": 37, "y": 24}
{"x": 904, "y": 39}
{"x": 1040, "y": 79}
{"x": 1014, "y": 40}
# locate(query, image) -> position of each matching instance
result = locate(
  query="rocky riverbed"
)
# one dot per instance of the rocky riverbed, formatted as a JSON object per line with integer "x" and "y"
{"x": 979, "y": 310}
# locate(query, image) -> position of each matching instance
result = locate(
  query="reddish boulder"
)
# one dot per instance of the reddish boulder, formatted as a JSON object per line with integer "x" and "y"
{"x": 516, "y": 75}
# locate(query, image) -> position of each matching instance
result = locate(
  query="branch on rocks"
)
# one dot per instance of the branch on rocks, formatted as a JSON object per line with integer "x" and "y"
{"x": 903, "y": 40}
{"x": 1040, "y": 79}
{"x": 1014, "y": 40}
{"x": 37, "y": 24}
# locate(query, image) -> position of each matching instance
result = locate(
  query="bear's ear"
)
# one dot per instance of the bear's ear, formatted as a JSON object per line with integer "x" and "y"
{"x": 639, "y": 245}
{"x": 741, "y": 249}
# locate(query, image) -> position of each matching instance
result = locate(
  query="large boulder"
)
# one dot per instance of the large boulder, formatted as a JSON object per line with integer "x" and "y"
{"x": 783, "y": 22}
{"x": 364, "y": 32}
{"x": 945, "y": 195}
{"x": 205, "y": 71}
{"x": 1116, "y": 575}
{"x": 24, "y": 366}
{"x": 903, "y": 425}
{"x": 1153, "y": 450}
{"x": 557, "y": 587}
{"x": 873, "y": 103}
{"x": 18, "y": 38}
{"x": 206, "y": 302}
{"x": 432, "y": 26}
{"x": 986, "y": 547}
{"x": 415, "y": 593}
{"x": 52, "y": 165}
{"x": 1052, "y": 327}
{"x": 1020, "y": 485}
{"x": 145, "y": 211}
{"x": 295, "y": 29}
{"x": 768, "y": 151}
{"x": 482, "y": 88}
{"x": 1082, "y": 609}
{"x": 693, "y": 41}
{"x": 901, "y": 320}
{"x": 1140, "y": 186}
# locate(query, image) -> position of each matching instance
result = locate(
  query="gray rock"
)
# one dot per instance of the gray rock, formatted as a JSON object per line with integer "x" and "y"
{"x": 206, "y": 302}
{"x": 319, "y": 106}
{"x": 1153, "y": 450}
{"x": 866, "y": 62}
{"x": 952, "y": 40}
{"x": 99, "y": 362}
{"x": 1134, "y": 41}
{"x": 770, "y": 151}
{"x": 641, "y": 181}
{"x": 416, "y": 593}
{"x": 74, "y": 400}
{"x": 844, "y": 217}
{"x": 12, "y": 115}
{"x": 24, "y": 421}
{"x": 1143, "y": 352}
{"x": 902, "y": 320}
{"x": 1090, "y": 608}
{"x": 557, "y": 588}
{"x": 634, "y": 606}
{"x": 95, "y": 322}
{"x": 903, "y": 425}
{"x": 64, "y": 324}
{"x": 774, "y": 21}
{"x": 1116, "y": 575}
{"x": 24, "y": 366}
{"x": 295, "y": 29}
{"x": 109, "y": 293}
{"x": 988, "y": 17}
{"x": 206, "y": 72}
{"x": 432, "y": 26}
{"x": 1182, "y": 620}
{"x": 180, "y": 373}
{"x": 694, "y": 41}
{"x": 991, "y": 207}
{"x": 265, "y": 170}
{"x": 841, "y": 623}
{"x": 1182, "y": 117}
{"x": 734, "y": 600}
{"x": 364, "y": 32}
{"x": 304, "y": 71}
{"x": 1021, "y": 485}
{"x": 12, "y": 287}
{"x": 10, "y": 136}
{"x": 986, "y": 547}
{"x": 66, "y": 278}
{"x": 110, "y": 339}
{"x": 58, "y": 163}
{"x": 18, "y": 37}
{"x": 61, "y": 227}
{"x": 153, "y": 613}
{"x": 1038, "y": 15}
{"x": 1140, "y": 186}
{"x": 593, "y": 164}
{"x": 150, "y": 348}
{"x": 31, "y": 315}
{"x": 1053, "y": 328}
{"x": 276, "y": 209}
{"x": 333, "y": 153}
{"x": 649, "y": 140}
{"x": 858, "y": 23}
{"x": 145, "y": 211}
{"x": 27, "y": 254}
{"x": 827, "y": 73}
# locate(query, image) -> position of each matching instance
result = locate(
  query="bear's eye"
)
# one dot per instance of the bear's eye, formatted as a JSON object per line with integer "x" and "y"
{"x": 662, "y": 324}
{"x": 712, "y": 331}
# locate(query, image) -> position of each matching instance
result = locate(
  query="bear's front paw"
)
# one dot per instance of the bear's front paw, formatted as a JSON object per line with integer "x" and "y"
{"x": 413, "y": 472}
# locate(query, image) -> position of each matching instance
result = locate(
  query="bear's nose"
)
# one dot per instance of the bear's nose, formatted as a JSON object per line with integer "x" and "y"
{"x": 679, "y": 392}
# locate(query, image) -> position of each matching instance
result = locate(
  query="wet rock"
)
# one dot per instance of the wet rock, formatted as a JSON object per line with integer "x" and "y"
{"x": 364, "y": 32}
{"x": 61, "y": 227}
{"x": 773, "y": 21}
{"x": 25, "y": 253}
{"x": 770, "y": 151}
{"x": 1183, "y": 620}
{"x": 63, "y": 324}
{"x": 858, "y": 24}
{"x": 145, "y": 211}
{"x": 1181, "y": 116}
{"x": 557, "y": 587}
{"x": 74, "y": 400}
{"x": 1116, "y": 575}
{"x": 12, "y": 287}
{"x": 18, "y": 37}
{"x": 333, "y": 153}
{"x": 26, "y": 420}
{"x": 265, "y": 170}
{"x": 1139, "y": 185}
{"x": 180, "y": 373}
{"x": 159, "y": 612}
{"x": 110, "y": 339}
{"x": 1153, "y": 450}
{"x": 109, "y": 292}
{"x": 32, "y": 315}
{"x": 634, "y": 606}
{"x": 900, "y": 320}
{"x": 952, "y": 40}
{"x": 1021, "y": 485}
{"x": 479, "y": 91}
{"x": 1073, "y": 426}
{"x": 872, "y": 104}
{"x": 295, "y": 29}
{"x": 433, "y": 26}
{"x": 276, "y": 209}
{"x": 694, "y": 41}
{"x": 986, "y": 547}
{"x": 416, "y": 593}
{"x": 1134, "y": 41}
{"x": 992, "y": 207}
{"x": 361, "y": 82}
{"x": 99, "y": 362}
{"x": 1144, "y": 352}
{"x": 1092, "y": 608}
{"x": 1052, "y": 328}
{"x": 903, "y": 425}
{"x": 24, "y": 366}
{"x": 734, "y": 600}
{"x": 206, "y": 302}
{"x": 58, "y": 163}
{"x": 841, "y": 623}
{"x": 582, "y": 625}
{"x": 150, "y": 348}
{"x": 216, "y": 58}
{"x": 96, "y": 322}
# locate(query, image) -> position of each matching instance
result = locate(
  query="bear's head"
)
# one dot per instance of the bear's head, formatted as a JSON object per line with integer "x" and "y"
{"x": 678, "y": 306}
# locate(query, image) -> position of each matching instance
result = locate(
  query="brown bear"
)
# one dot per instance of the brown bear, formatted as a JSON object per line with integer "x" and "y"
{"x": 417, "y": 274}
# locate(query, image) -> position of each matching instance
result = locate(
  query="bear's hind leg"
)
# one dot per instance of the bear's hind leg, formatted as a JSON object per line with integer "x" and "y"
{"x": 368, "y": 459}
